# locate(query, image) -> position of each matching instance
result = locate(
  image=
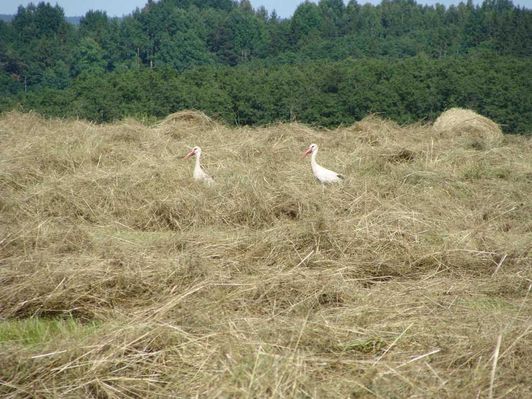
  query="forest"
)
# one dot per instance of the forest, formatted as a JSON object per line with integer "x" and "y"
{"x": 330, "y": 64}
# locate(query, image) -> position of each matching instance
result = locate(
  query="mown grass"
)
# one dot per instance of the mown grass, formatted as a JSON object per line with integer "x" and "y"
{"x": 122, "y": 277}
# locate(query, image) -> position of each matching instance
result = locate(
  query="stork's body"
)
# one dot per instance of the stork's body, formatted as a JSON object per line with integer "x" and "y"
{"x": 323, "y": 175}
{"x": 199, "y": 174}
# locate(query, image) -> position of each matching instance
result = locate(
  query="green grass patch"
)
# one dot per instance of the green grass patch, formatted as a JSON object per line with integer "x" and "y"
{"x": 364, "y": 345}
{"x": 35, "y": 331}
{"x": 488, "y": 304}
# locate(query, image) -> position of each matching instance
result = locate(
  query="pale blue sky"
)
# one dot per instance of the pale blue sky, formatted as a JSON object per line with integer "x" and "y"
{"x": 284, "y": 8}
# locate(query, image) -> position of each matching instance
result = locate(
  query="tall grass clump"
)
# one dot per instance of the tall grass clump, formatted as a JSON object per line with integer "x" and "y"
{"x": 122, "y": 277}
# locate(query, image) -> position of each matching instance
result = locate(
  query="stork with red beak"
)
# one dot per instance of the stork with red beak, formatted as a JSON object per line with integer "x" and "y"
{"x": 199, "y": 173}
{"x": 323, "y": 175}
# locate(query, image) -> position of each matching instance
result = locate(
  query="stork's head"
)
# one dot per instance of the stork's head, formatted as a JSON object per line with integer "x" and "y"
{"x": 311, "y": 148}
{"x": 194, "y": 151}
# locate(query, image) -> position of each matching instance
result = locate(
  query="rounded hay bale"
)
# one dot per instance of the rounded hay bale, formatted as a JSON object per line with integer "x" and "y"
{"x": 468, "y": 126}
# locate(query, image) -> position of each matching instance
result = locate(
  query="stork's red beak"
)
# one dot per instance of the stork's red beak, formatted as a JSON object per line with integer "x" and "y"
{"x": 308, "y": 151}
{"x": 189, "y": 154}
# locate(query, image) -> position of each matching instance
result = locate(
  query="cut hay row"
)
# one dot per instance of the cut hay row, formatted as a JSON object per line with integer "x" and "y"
{"x": 122, "y": 277}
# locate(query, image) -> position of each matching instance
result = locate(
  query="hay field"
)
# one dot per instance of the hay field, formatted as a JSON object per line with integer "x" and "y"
{"x": 121, "y": 277}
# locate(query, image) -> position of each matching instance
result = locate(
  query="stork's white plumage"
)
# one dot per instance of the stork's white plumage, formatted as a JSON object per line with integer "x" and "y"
{"x": 199, "y": 173}
{"x": 323, "y": 175}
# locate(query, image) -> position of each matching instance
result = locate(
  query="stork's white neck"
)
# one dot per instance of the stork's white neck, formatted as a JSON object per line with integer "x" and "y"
{"x": 313, "y": 162}
{"x": 197, "y": 167}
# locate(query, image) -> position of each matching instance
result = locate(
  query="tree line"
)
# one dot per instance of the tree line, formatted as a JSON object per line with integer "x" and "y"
{"x": 330, "y": 63}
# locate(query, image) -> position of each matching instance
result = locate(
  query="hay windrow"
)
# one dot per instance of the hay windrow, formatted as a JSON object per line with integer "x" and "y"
{"x": 122, "y": 277}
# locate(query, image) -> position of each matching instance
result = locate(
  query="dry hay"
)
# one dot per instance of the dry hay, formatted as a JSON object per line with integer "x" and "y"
{"x": 122, "y": 277}
{"x": 188, "y": 116}
{"x": 374, "y": 123}
{"x": 374, "y": 130}
{"x": 181, "y": 122}
{"x": 469, "y": 127}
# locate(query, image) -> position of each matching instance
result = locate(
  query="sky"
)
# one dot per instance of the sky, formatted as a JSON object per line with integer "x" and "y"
{"x": 117, "y": 8}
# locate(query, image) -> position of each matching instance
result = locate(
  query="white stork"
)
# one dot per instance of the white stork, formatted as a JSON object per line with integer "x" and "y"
{"x": 322, "y": 174}
{"x": 199, "y": 174}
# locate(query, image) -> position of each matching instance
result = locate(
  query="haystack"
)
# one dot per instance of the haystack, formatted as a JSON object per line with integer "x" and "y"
{"x": 374, "y": 130}
{"x": 187, "y": 120}
{"x": 469, "y": 127}
{"x": 373, "y": 123}
{"x": 188, "y": 116}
